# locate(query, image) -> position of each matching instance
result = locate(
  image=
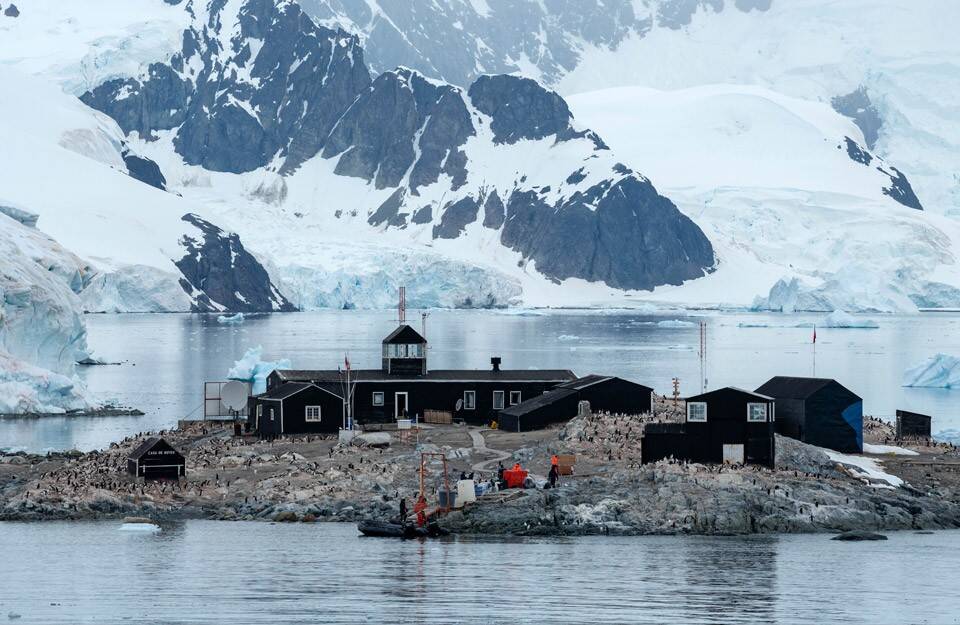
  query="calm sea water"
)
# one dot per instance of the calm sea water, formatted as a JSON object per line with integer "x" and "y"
{"x": 218, "y": 572}
{"x": 166, "y": 358}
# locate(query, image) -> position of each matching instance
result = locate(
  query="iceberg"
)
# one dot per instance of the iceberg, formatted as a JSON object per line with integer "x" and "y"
{"x": 951, "y": 436}
{"x": 568, "y": 337}
{"x": 252, "y": 368}
{"x": 937, "y": 371}
{"x": 842, "y": 319}
{"x": 231, "y": 319}
{"x": 28, "y": 389}
{"x": 675, "y": 323}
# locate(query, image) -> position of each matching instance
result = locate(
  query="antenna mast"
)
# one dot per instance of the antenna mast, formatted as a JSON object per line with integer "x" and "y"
{"x": 402, "y": 306}
{"x": 703, "y": 356}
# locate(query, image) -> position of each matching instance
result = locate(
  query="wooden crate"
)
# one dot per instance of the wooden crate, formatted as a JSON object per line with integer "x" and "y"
{"x": 565, "y": 463}
{"x": 441, "y": 417}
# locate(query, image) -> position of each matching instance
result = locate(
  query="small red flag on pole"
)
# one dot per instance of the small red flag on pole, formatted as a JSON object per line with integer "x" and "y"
{"x": 814, "y": 334}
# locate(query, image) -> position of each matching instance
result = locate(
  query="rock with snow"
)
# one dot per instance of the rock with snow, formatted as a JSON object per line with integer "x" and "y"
{"x": 843, "y": 319}
{"x": 252, "y": 368}
{"x": 937, "y": 371}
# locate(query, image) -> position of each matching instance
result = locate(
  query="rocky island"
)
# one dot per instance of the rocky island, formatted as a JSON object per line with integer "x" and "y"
{"x": 318, "y": 479}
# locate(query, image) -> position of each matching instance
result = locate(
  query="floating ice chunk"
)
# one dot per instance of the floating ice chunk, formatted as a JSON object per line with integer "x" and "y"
{"x": 937, "y": 371}
{"x": 139, "y": 527}
{"x": 568, "y": 337}
{"x": 252, "y": 369}
{"x": 231, "y": 319}
{"x": 842, "y": 319}
{"x": 888, "y": 449}
{"x": 948, "y": 436}
{"x": 675, "y": 323}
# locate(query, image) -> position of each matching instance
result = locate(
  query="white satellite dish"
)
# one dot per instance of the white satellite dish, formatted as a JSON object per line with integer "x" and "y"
{"x": 234, "y": 395}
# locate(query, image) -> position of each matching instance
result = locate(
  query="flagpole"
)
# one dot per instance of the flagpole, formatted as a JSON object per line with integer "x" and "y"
{"x": 814, "y": 350}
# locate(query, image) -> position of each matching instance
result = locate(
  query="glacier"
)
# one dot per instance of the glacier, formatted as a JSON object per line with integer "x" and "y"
{"x": 937, "y": 371}
{"x": 252, "y": 368}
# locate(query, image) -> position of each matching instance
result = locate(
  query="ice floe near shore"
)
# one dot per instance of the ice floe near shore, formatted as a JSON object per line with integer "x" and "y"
{"x": 937, "y": 371}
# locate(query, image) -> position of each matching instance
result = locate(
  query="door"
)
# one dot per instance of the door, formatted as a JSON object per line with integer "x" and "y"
{"x": 733, "y": 454}
{"x": 400, "y": 405}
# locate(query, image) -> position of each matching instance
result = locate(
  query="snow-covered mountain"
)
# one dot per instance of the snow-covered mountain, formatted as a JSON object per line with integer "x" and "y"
{"x": 342, "y": 183}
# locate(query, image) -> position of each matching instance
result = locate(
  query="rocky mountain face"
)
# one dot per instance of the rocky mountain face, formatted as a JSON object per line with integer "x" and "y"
{"x": 259, "y": 84}
{"x": 460, "y": 40}
{"x": 220, "y": 274}
{"x": 899, "y": 189}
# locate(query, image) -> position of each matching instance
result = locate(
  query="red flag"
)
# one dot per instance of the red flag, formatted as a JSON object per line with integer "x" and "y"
{"x": 346, "y": 362}
{"x": 814, "y": 334}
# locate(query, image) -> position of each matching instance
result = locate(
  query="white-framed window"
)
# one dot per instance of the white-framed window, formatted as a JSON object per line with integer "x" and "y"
{"x": 259, "y": 410}
{"x": 378, "y": 398}
{"x": 697, "y": 411}
{"x": 498, "y": 400}
{"x": 469, "y": 400}
{"x": 756, "y": 412}
{"x": 514, "y": 398}
{"x": 271, "y": 414}
{"x": 313, "y": 414}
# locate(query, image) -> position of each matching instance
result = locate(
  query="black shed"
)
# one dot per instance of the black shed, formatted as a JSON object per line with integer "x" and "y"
{"x": 727, "y": 425}
{"x": 541, "y": 411}
{"x": 612, "y": 394}
{"x": 298, "y": 408}
{"x": 913, "y": 425}
{"x": 156, "y": 459}
{"x": 817, "y": 411}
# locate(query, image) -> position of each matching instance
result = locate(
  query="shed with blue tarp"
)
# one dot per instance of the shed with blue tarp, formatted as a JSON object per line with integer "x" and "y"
{"x": 817, "y": 411}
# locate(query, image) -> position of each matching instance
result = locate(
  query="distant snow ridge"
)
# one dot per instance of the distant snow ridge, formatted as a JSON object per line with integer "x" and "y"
{"x": 258, "y": 86}
{"x": 937, "y": 371}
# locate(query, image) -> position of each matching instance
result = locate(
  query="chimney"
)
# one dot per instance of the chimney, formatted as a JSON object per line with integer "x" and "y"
{"x": 495, "y": 363}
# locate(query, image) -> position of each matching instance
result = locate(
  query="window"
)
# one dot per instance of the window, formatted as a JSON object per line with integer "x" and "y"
{"x": 271, "y": 414}
{"x": 378, "y": 398}
{"x": 756, "y": 412}
{"x": 259, "y": 410}
{"x": 469, "y": 400}
{"x": 498, "y": 400}
{"x": 514, "y": 398}
{"x": 313, "y": 414}
{"x": 697, "y": 411}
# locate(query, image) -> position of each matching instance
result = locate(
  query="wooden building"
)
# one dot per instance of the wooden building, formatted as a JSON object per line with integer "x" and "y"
{"x": 404, "y": 386}
{"x": 817, "y": 411}
{"x": 913, "y": 425}
{"x": 727, "y": 425}
{"x": 156, "y": 459}
{"x": 604, "y": 393}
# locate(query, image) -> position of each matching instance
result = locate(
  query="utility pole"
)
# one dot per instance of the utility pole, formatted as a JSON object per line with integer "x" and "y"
{"x": 676, "y": 391}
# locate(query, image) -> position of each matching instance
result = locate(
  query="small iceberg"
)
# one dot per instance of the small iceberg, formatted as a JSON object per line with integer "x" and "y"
{"x": 937, "y": 371}
{"x": 675, "y": 323}
{"x": 252, "y": 368}
{"x": 568, "y": 337}
{"x": 951, "y": 436}
{"x": 231, "y": 319}
{"x": 843, "y": 319}
{"x": 139, "y": 524}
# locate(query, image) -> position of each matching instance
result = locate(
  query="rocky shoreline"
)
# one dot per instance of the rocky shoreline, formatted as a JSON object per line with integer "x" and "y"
{"x": 316, "y": 479}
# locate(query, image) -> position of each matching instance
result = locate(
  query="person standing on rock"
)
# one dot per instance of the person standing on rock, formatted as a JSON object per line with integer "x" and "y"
{"x": 553, "y": 475}
{"x": 403, "y": 510}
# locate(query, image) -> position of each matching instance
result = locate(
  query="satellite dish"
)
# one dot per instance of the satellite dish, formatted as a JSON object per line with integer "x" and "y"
{"x": 234, "y": 395}
{"x": 459, "y": 405}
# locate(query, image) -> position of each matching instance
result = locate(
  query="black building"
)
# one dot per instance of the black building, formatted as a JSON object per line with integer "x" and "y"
{"x": 605, "y": 394}
{"x": 404, "y": 386}
{"x": 155, "y": 459}
{"x": 817, "y": 411}
{"x": 726, "y": 425}
{"x": 913, "y": 425}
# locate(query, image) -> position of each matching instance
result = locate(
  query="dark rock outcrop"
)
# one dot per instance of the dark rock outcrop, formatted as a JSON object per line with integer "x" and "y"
{"x": 857, "y": 106}
{"x": 219, "y": 274}
{"x": 899, "y": 189}
{"x": 520, "y": 108}
{"x": 456, "y": 217}
{"x": 144, "y": 170}
{"x": 12, "y": 11}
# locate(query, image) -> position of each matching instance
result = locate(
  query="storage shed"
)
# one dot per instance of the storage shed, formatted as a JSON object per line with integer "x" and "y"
{"x": 817, "y": 411}
{"x": 298, "y": 408}
{"x": 541, "y": 411}
{"x": 608, "y": 393}
{"x": 729, "y": 425}
{"x": 156, "y": 459}
{"x": 913, "y": 425}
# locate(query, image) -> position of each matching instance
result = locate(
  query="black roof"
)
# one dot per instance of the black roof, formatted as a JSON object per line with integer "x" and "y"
{"x": 289, "y": 389}
{"x": 796, "y": 388}
{"x": 590, "y": 380}
{"x": 437, "y": 375}
{"x": 540, "y": 401}
{"x": 729, "y": 389}
{"x": 404, "y": 335}
{"x": 147, "y": 445}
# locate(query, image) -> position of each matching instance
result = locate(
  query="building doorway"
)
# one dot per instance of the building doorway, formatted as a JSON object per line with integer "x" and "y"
{"x": 400, "y": 405}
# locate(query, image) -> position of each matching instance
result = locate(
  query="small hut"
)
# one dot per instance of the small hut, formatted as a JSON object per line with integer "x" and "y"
{"x": 156, "y": 459}
{"x": 817, "y": 411}
{"x": 913, "y": 425}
